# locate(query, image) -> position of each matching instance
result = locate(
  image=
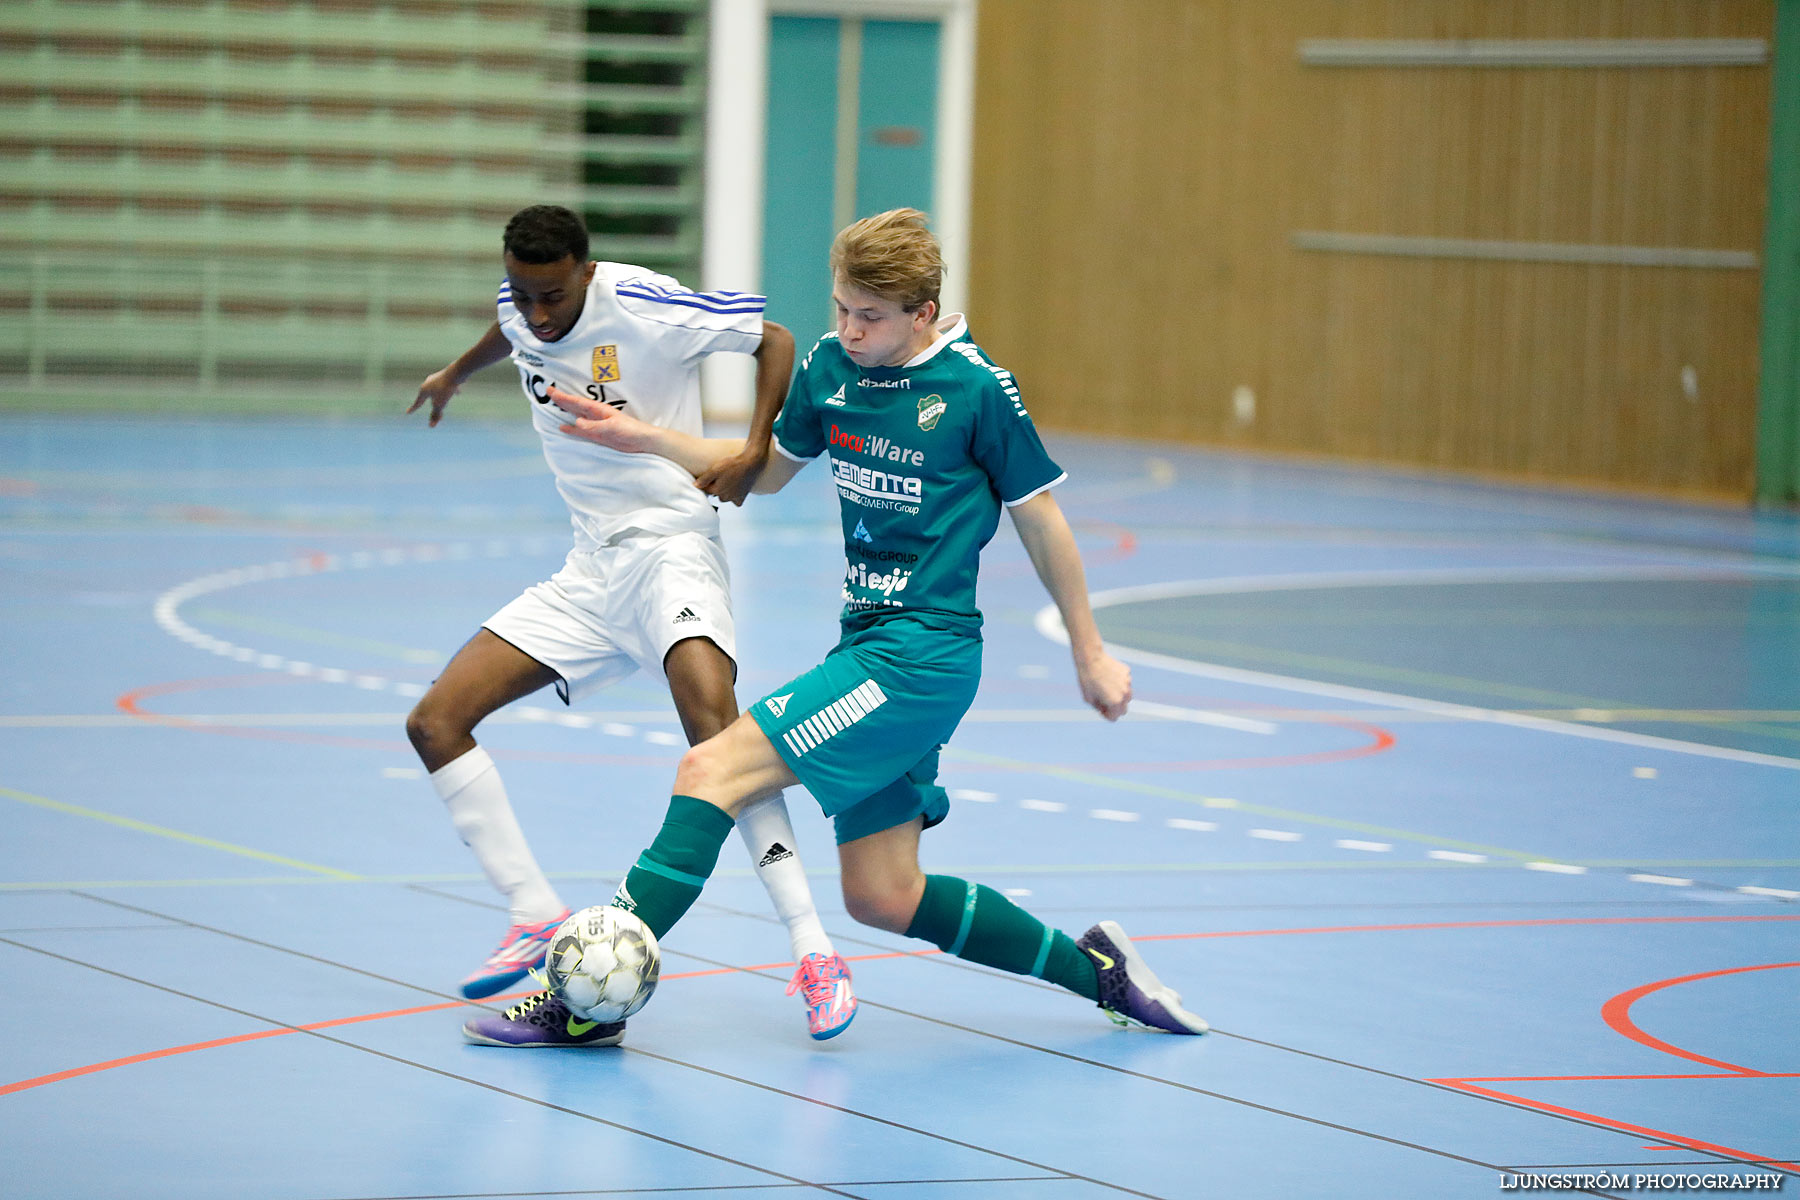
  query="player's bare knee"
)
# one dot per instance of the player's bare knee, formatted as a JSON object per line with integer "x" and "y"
{"x": 419, "y": 728}
{"x": 435, "y": 734}
{"x": 701, "y": 771}
{"x": 890, "y": 909}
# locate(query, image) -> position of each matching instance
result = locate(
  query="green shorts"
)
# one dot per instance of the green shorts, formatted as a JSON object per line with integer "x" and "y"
{"x": 862, "y": 729}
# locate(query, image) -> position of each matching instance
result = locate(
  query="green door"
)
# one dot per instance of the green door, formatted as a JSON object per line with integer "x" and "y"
{"x": 852, "y": 131}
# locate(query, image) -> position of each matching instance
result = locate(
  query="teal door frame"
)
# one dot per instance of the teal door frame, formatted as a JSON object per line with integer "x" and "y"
{"x": 1778, "y": 399}
{"x": 852, "y": 130}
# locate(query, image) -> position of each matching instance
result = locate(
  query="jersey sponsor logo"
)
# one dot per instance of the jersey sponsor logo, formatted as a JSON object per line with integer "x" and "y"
{"x": 538, "y": 388}
{"x": 836, "y": 399}
{"x": 525, "y": 356}
{"x": 899, "y": 556}
{"x": 877, "y": 489}
{"x": 884, "y": 383}
{"x": 880, "y": 447}
{"x": 861, "y": 532}
{"x": 885, "y": 582}
{"x": 930, "y": 409}
{"x": 778, "y": 704}
{"x": 606, "y": 364}
{"x": 835, "y": 717}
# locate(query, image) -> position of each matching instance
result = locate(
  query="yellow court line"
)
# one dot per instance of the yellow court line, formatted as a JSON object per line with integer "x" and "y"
{"x": 193, "y": 839}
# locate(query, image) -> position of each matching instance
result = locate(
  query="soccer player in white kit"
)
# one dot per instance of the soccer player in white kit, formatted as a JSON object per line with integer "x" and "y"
{"x": 646, "y": 585}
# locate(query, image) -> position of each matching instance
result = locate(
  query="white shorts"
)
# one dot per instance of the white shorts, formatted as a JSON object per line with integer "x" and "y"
{"x": 611, "y": 611}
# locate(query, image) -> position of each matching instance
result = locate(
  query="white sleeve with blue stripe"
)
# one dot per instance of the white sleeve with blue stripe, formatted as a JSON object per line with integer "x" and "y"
{"x": 692, "y": 324}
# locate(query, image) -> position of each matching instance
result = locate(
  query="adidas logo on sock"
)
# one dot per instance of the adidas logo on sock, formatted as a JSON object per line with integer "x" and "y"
{"x": 686, "y": 614}
{"x": 776, "y": 853}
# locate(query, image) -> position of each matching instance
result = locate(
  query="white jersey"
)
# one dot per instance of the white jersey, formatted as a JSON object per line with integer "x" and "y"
{"x": 636, "y": 346}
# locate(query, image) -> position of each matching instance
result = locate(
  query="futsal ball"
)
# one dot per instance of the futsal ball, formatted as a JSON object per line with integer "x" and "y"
{"x": 603, "y": 963}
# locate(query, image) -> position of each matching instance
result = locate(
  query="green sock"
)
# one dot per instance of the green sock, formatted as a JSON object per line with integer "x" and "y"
{"x": 973, "y": 921}
{"x": 669, "y": 875}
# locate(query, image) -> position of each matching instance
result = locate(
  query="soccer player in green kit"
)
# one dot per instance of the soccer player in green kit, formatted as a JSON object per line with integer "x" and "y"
{"x": 928, "y": 440}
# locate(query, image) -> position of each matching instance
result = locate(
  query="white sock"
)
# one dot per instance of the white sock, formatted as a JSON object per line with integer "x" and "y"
{"x": 769, "y": 836}
{"x": 471, "y": 789}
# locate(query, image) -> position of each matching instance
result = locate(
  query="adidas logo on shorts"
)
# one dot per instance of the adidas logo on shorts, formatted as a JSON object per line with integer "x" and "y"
{"x": 686, "y": 614}
{"x": 776, "y": 853}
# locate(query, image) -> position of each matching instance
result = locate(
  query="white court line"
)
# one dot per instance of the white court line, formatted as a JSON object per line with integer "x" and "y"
{"x": 1049, "y": 806}
{"x": 167, "y": 607}
{"x": 1461, "y": 856}
{"x": 1189, "y": 823}
{"x": 1201, "y": 716}
{"x": 1664, "y": 880}
{"x": 1556, "y": 868}
{"x": 1112, "y": 814}
{"x": 1356, "y": 844}
{"x": 1049, "y": 624}
{"x": 1276, "y": 835}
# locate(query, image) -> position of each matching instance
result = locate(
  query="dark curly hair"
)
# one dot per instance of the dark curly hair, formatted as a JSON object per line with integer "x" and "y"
{"x": 546, "y": 233}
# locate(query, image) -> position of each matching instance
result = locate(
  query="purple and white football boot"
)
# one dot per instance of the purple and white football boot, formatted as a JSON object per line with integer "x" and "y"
{"x": 1129, "y": 990}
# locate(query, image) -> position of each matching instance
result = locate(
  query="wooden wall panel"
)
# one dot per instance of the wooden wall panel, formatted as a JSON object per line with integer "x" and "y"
{"x": 1141, "y": 166}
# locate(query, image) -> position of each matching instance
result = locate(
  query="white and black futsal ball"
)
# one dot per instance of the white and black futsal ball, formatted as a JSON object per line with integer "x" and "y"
{"x": 603, "y": 963}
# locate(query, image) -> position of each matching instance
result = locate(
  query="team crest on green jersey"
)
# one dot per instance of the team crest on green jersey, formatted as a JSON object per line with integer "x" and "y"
{"x": 930, "y": 409}
{"x": 606, "y": 364}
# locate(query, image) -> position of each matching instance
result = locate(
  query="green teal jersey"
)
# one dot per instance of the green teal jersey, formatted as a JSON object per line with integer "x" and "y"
{"x": 923, "y": 456}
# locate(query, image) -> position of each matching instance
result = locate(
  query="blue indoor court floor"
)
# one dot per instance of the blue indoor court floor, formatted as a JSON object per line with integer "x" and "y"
{"x": 1468, "y": 814}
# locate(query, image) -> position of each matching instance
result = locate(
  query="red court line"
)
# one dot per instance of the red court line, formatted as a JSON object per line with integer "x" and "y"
{"x": 1613, "y": 1078}
{"x": 75, "y": 1072}
{"x": 1617, "y": 1014}
{"x": 1124, "y": 545}
{"x": 1379, "y": 740}
{"x": 1622, "y": 1126}
{"x": 259, "y": 1035}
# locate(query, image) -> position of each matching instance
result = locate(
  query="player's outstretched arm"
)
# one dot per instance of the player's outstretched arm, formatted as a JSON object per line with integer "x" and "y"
{"x": 1105, "y": 681}
{"x": 733, "y": 478}
{"x": 605, "y": 425}
{"x": 439, "y": 386}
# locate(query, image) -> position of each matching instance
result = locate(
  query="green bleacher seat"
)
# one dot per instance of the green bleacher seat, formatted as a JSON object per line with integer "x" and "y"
{"x": 220, "y": 204}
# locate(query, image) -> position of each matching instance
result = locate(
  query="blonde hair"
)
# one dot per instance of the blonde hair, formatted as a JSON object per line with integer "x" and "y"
{"x": 893, "y": 255}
